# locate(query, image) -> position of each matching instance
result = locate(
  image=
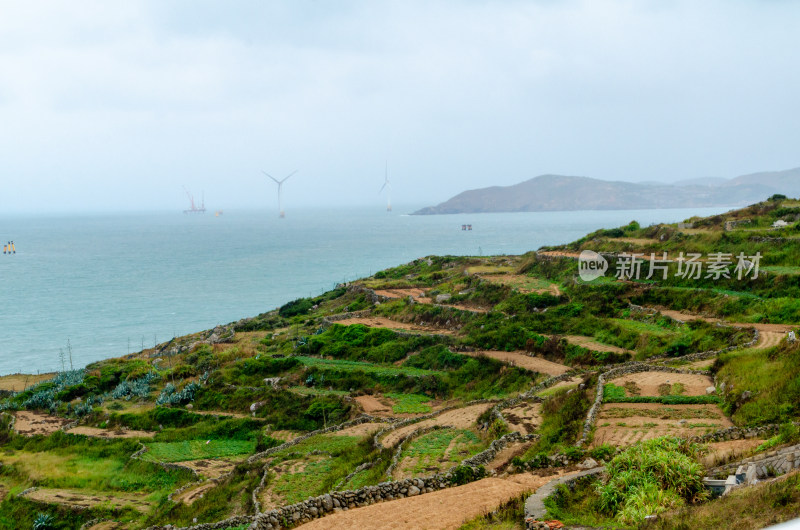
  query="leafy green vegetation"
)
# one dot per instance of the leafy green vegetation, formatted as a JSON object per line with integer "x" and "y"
{"x": 410, "y": 403}
{"x": 651, "y": 477}
{"x": 195, "y": 450}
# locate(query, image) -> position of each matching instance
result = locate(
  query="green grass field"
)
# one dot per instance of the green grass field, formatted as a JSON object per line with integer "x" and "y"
{"x": 195, "y": 450}
{"x": 410, "y": 403}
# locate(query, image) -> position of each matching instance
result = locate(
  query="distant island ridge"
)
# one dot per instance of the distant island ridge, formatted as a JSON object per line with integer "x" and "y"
{"x": 568, "y": 193}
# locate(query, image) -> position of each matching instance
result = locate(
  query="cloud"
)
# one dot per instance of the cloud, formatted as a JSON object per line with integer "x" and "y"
{"x": 129, "y": 102}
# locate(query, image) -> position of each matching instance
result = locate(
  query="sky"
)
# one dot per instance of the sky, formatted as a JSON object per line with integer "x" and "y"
{"x": 117, "y": 106}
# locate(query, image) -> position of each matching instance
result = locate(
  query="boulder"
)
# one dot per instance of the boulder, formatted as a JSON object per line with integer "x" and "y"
{"x": 444, "y": 297}
{"x": 710, "y": 390}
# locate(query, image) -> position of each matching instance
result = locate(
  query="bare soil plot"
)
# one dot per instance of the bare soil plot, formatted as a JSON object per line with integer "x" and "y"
{"x": 443, "y": 509}
{"x": 109, "y": 433}
{"x": 374, "y": 406}
{"x": 193, "y": 494}
{"x": 81, "y": 499}
{"x": 362, "y": 429}
{"x": 19, "y": 382}
{"x": 414, "y": 292}
{"x": 461, "y": 418}
{"x": 623, "y": 424}
{"x": 524, "y": 418}
{"x": 29, "y": 423}
{"x": 648, "y": 382}
{"x": 211, "y": 467}
{"x": 381, "y": 322}
{"x": 523, "y": 360}
{"x": 732, "y": 450}
{"x": 523, "y": 283}
{"x": 591, "y": 344}
{"x": 504, "y": 457}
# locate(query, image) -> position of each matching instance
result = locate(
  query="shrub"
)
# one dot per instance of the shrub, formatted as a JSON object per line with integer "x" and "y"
{"x": 651, "y": 477}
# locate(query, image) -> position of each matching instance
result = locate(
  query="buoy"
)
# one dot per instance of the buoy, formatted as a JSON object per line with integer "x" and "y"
{"x": 13, "y": 248}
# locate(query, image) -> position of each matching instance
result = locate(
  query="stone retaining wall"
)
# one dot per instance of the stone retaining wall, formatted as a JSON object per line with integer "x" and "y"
{"x": 767, "y": 464}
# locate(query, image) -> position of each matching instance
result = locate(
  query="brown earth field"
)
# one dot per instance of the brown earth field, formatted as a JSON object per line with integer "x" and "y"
{"x": 520, "y": 283}
{"x": 109, "y": 433}
{"x": 29, "y": 423}
{"x": 623, "y": 424}
{"x": 694, "y": 384}
{"x": 461, "y": 418}
{"x": 381, "y": 322}
{"x": 523, "y": 418}
{"x": 374, "y": 406}
{"x": 82, "y": 499}
{"x": 361, "y": 430}
{"x": 591, "y": 344}
{"x": 211, "y": 467}
{"x": 438, "y": 510}
{"x": 523, "y": 360}
{"x": 19, "y": 382}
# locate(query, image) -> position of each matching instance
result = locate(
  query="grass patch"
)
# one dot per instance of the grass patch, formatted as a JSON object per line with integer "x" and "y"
{"x": 195, "y": 450}
{"x": 410, "y": 403}
{"x": 429, "y": 450}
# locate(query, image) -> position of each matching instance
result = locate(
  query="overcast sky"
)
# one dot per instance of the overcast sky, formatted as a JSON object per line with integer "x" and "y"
{"x": 117, "y": 105}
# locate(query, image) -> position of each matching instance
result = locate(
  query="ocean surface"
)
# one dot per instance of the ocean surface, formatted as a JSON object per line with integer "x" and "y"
{"x": 110, "y": 283}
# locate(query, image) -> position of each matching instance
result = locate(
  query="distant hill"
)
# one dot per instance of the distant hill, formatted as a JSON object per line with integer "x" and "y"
{"x": 565, "y": 193}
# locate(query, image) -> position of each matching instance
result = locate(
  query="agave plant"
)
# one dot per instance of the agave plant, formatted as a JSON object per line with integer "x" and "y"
{"x": 43, "y": 521}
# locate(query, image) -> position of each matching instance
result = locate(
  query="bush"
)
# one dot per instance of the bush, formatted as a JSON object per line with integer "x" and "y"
{"x": 301, "y": 306}
{"x": 651, "y": 477}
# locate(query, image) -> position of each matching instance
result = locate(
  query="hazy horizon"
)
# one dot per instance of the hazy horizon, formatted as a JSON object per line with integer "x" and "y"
{"x": 116, "y": 107}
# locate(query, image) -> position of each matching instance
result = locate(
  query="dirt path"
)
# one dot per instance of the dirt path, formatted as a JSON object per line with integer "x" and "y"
{"x": 439, "y": 510}
{"x": 81, "y": 499}
{"x": 192, "y": 494}
{"x": 461, "y": 418}
{"x": 19, "y": 382}
{"x": 648, "y": 382}
{"x": 381, "y": 322}
{"x": 414, "y": 292}
{"x": 523, "y": 360}
{"x": 29, "y": 423}
{"x": 108, "y": 433}
{"x": 685, "y": 317}
{"x": 769, "y": 339}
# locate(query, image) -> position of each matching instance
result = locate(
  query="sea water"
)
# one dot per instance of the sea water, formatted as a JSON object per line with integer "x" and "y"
{"x": 110, "y": 284}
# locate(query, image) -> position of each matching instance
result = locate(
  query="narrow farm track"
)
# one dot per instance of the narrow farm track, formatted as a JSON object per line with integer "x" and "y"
{"x": 439, "y": 510}
{"x": 381, "y": 322}
{"x": 523, "y": 360}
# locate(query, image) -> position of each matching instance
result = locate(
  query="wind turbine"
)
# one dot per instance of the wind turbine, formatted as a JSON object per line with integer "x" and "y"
{"x": 280, "y": 189}
{"x": 388, "y": 185}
